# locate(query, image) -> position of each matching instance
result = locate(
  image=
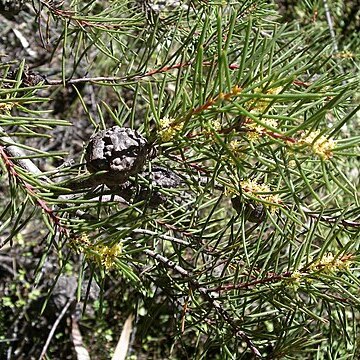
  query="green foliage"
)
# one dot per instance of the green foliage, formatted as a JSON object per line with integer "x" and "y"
{"x": 240, "y": 106}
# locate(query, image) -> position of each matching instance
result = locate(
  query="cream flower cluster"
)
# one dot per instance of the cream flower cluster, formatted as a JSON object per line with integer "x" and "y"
{"x": 169, "y": 129}
{"x": 262, "y": 192}
{"x": 320, "y": 145}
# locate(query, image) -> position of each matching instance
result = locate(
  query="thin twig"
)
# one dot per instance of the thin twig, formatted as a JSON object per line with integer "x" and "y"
{"x": 53, "y": 329}
{"x": 216, "y": 305}
{"x": 330, "y": 219}
{"x": 12, "y": 149}
{"x": 30, "y": 190}
{"x": 133, "y": 77}
{"x": 270, "y": 279}
{"x": 137, "y": 77}
{"x": 275, "y": 277}
{"x": 331, "y": 26}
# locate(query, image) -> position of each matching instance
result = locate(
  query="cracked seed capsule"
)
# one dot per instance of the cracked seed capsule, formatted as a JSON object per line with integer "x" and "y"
{"x": 121, "y": 152}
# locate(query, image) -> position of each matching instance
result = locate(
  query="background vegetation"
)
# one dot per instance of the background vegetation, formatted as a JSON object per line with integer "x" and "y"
{"x": 249, "y": 249}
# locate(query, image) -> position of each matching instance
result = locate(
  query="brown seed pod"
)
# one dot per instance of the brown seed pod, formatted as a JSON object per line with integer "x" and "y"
{"x": 28, "y": 77}
{"x": 121, "y": 152}
{"x": 254, "y": 212}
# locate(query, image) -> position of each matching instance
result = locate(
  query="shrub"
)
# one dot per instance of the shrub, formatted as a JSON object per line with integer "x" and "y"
{"x": 225, "y": 222}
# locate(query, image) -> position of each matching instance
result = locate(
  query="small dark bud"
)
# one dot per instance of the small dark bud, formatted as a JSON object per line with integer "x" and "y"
{"x": 254, "y": 212}
{"x": 121, "y": 152}
{"x": 236, "y": 203}
{"x": 28, "y": 77}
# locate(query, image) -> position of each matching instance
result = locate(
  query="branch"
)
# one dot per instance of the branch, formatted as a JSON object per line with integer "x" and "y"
{"x": 71, "y": 15}
{"x": 53, "y": 329}
{"x": 215, "y": 304}
{"x": 269, "y": 279}
{"x": 331, "y": 26}
{"x": 137, "y": 77}
{"x": 12, "y": 149}
{"x": 330, "y": 219}
{"x": 30, "y": 190}
{"x": 133, "y": 77}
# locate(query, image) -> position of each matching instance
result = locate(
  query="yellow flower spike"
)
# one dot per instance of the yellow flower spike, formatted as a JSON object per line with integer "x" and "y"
{"x": 108, "y": 255}
{"x": 216, "y": 124}
{"x": 253, "y": 136}
{"x": 256, "y": 190}
{"x": 294, "y": 280}
{"x": 221, "y": 96}
{"x": 234, "y": 146}
{"x": 210, "y": 127}
{"x": 236, "y": 90}
{"x": 296, "y": 276}
{"x": 252, "y": 187}
{"x": 292, "y": 164}
{"x": 229, "y": 191}
{"x": 81, "y": 243}
{"x": 276, "y": 200}
{"x": 259, "y": 105}
{"x": 344, "y": 55}
{"x": 237, "y": 150}
{"x": 274, "y": 91}
{"x": 255, "y": 131}
{"x": 330, "y": 263}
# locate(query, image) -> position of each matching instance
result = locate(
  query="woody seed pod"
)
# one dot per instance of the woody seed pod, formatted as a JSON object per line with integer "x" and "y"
{"x": 121, "y": 152}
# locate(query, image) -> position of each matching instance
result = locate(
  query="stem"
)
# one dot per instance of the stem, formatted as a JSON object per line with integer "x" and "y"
{"x": 215, "y": 304}
{"x": 331, "y": 26}
{"x": 12, "y": 149}
{"x": 53, "y": 329}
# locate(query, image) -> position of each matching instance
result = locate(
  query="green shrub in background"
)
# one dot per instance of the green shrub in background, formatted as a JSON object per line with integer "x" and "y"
{"x": 238, "y": 237}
